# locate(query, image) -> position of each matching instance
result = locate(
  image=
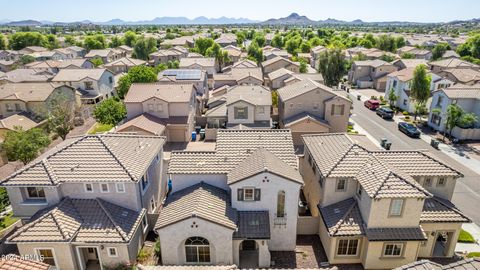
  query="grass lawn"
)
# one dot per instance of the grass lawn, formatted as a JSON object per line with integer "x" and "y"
{"x": 465, "y": 237}
{"x": 100, "y": 128}
{"x": 473, "y": 255}
{"x": 6, "y": 221}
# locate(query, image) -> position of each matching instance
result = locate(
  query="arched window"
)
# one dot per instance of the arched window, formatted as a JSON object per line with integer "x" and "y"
{"x": 197, "y": 250}
{"x": 281, "y": 204}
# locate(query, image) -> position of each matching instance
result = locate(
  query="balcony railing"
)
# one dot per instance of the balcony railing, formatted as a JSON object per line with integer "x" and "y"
{"x": 280, "y": 220}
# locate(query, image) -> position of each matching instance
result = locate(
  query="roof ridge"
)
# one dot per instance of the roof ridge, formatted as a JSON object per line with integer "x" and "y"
{"x": 99, "y": 137}
{"x": 342, "y": 219}
{"x": 440, "y": 162}
{"x": 49, "y": 171}
{"x": 119, "y": 230}
{"x": 455, "y": 209}
{"x": 339, "y": 160}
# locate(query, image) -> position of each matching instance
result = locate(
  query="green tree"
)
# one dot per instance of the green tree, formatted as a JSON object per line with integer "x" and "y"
{"x": 52, "y": 42}
{"x": 420, "y": 86}
{"x": 144, "y": 47}
{"x": 277, "y": 41}
{"x": 468, "y": 120}
{"x": 130, "y": 38}
{"x": 439, "y": 50}
{"x": 97, "y": 61}
{"x": 110, "y": 111}
{"x": 386, "y": 43}
{"x": 21, "y": 40}
{"x": 26, "y": 59}
{"x": 60, "y": 117}
{"x": 392, "y": 98}
{"x": 259, "y": 38}
{"x": 400, "y": 42}
{"x": 303, "y": 65}
{"x": 240, "y": 38}
{"x": 408, "y": 56}
{"x": 387, "y": 58}
{"x": 4, "y": 201}
{"x": 70, "y": 40}
{"x": 138, "y": 74}
{"x": 332, "y": 66}
{"x": 115, "y": 42}
{"x": 255, "y": 53}
{"x": 24, "y": 145}
{"x": 464, "y": 49}
{"x": 202, "y": 44}
{"x": 95, "y": 42}
{"x": 3, "y": 42}
{"x": 454, "y": 114}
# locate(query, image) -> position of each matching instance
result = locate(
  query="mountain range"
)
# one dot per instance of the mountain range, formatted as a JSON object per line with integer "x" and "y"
{"x": 292, "y": 19}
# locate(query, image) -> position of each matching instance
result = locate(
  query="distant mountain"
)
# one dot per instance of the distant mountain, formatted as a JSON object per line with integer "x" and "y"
{"x": 293, "y": 19}
{"x": 25, "y": 23}
{"x": 185, "y": 20}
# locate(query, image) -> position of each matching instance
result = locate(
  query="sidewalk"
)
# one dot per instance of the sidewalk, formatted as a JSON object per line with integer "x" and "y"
{"x": 466, "y": 248}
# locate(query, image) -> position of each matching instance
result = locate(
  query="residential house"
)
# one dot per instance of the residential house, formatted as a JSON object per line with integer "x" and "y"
{"x": 399, "y": 82}
{"x": 76, "y": 63}
{"x": 95, "y": 84}
{"x": 296, "y": 77}
{"x": 382, "y": 209}
{"x": 239, "y": 76}
{"x": 165, "y": 56}
{"x": 276, "y": 79}
{"x": 90, "y": 201}
{"x": 48, "y": 55}
{"x": 172, "y": 105}
{"x": 26, "y": 75}
{"x": 233, "y": 205}
{"x": 226, "y": 40}
{"x": 469, "y": 263}
{"x": 308, "y": 107}
{"x": 23, "y": 120}
{"x": 78, "y": 52}
{"x": 450, "y": 54}
{"x": 370, "y": 73}
{"x": 7, "y": 65}
{"x": 197, "y": 77}
{"x": 50, "y": 66}
{"x": 275, "y": 52}
{"x": 462, "y": 75}
{"x": 124, "y": 64}
{"x": 315, "y": 56}
{"x": 451, "y": 63}
{"x": 10, "y": 55}
{"x": 409, "y": 63}
{"x": 234, "y": 53}
{"x": 246, "y": 105}
{"x": 208, "y": 64}
{"x": 466, "y": 97}
{"x": 33, "y": 98}
{"x": 107, "y": 55}
{"x": 418, "y": 53}
{"x": 126, "y": 49}
{"x": 277, "y": 63}
{"x": 66, "y": 53}
{"x": 185, "y": 41}
{"x": 244, "y": 63}
{"x": 32, "y": 49}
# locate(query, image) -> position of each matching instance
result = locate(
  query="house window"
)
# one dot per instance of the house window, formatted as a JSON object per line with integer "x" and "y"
{"x": 88, "y": 85}
{"x": 436, "y": 119}
{"x": 88, "y": 188}
{"x": 396, "y": 207}
{"x": 299, "y": 106}
{"x": 150, "y": 107}
{"x": 337, "y": 109}
{"x": 321, "y": 180}
{"x": 197, "y": 250}
{"x": 110, "y": 79}
{"x": 18, "y": 107}
{"x": 249, "y": 194}
{"x": 159, "y": 107}
{"x": 241, "y": 112}
{"x": 394, "y": 84}
{"x": 9, "y": 107}
{"x": 104, "y": 187}
{"x": 112, "y": 252}
{"x": 48, "y": 256}
{"x": 341, "y": 184}
{"x": 393, "y": 250}
{"x": 359, "y": 191}
{"x": 316, "y": 105}
{"x": 428, "y": 182}
{"x": 145, "y": 223}
{"x": 291, "y": 105}
{"x": 405, "y": 102}
{"x": 35, "y": 193}
{"x": 439, "y": 101}
{"x": 347, "y": 247}
{"x": 261, "y": 110}
{"x": 281, "y": 203}
{"x": 145, "y": 182}
{"x": 120, "y": 187}
{"x": 441, "y": 182}
{"x": 153, "y": 204}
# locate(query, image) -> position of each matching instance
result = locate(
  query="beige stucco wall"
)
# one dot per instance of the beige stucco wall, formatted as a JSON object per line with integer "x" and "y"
{"x": 330, "y": 195}
{"x": 374, "y": 258}
{"x": 426, "y": 249}
{"x": 163, "y": 113}
{"x": 24, "y": 209}
{"x": 64, "y": 253}
{"x": 181, "y": 181}
{"x": 239, "y": 104}
{"x": 172, "y": 241}
{"x": 445, "y": 191}
{"x": 311, "y": 188}
{"x": 338, "y": 123}
{"x": 379, "y": 213}
{"x": 306, "y": 127}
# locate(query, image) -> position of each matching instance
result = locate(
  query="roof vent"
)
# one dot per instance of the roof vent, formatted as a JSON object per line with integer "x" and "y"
{"x": 350, "y": 221}
{"x": 336, "y": 211}
{"x": 248, "y": 151}
{"x": 124, "y": 213}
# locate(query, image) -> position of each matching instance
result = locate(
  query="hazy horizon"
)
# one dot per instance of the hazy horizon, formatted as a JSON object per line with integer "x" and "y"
{"x": 127, "y": 10}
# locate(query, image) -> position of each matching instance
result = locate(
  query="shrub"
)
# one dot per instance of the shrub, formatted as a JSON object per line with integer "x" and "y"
{"x": 143, "y": 255}
{"x": 373, "y": 97}
{"x": 405, "y": 113}
{"x": 473, "y": 255}
{"x": 465, "y": 237}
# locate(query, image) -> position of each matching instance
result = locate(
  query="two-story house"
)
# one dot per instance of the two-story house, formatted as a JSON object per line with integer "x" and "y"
{"x": 451, "y": 63}
{"x": 197, "y": 77}
{"x": 308, "y": 107}
{"x": 165, "y": 56}
{"x": 89, "y": 201}
{"x": 467, "y": 97}
{"x": 278, "y": 62}
{"x": 107, "y": 55}
{"x": 315, "y": 56}
{"x": 208, "y": 64}
{"x": 382, "y": 209}
{"x": 171, "y": 105}
{"x": 239, "y": 76}
{"x": 123, "y": 64}
{"x": 399, "y": 82}
{"x": 462, "y": 75}
{"x": 233, "y": 205}
{"x": 370, "y": 73}
{"x": 95, "y": 84}
{"x": 418, "y": 53}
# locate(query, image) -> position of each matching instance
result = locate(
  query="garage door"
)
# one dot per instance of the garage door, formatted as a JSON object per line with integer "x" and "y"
{"x": 176, "y": 135}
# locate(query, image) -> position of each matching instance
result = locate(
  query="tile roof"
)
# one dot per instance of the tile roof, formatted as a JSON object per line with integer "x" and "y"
{"x": 440, "y": 210}
{"x": 204, "y": 62}
{"x": 343, "y": 218}
{"x": 238, "y": 74}
{"x": 14, "y": 262}
{"x": 91, "y": 158}
{"x": 420, "y": 265}
{"x": 277, "y": 59}
{"x": 395, "y": 234}
{"x": 464, "y": 75}
{"x": 99, "y": 53}
{"x": 460, "y": 91}
{"x": 244, "y": 63}
{"x": 146, "y": 122}
{"x": 27, "y": 75}
{"x": 140, "y": 92}
{"x": 302, "y": 117}
{"x": 411, "y": 63}
{"x": 301, "y": 87}
{"x": 188, "y": 267}
{"x": 316, "y": 77}
{"x": 279, "y": 73}
{"x": 372, "y": 63}
{"x": 465, "y": 264}
{"x": 28, "y": 92}
{"x": 21, "y": 120}
{"x": 200, "y": 201}
{"x": 126, "y": 61}
{"x": 259, "y": 161}
{"x": 81, "y": 220}
{"x": 453, "y": 63}
{"x": 77, "y": 62}
{"x": 78, "y": 74}
{"x": 253, "y": 225}
{"x": 257, "y": 95}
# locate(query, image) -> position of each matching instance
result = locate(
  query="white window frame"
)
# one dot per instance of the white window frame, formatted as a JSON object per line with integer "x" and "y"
{"x": 37, "y": 252}
{"x": 109, "y": 249}
{"x": 429, "y": 182}
{"x": 120, "y": 185}
{"x": 144, "y": 189}
{"x": 444, "y": 179}
{"x": 393, "y": 205}
{"x": 150, "y": 107}
{"x": 145, "y": 223}
{"x": 153, "y": 204}
{"x": 245, "y": 194}
{"x": 86, "y": 189}
{"x": 344, "y": 185}
{"x": 401, "y": 245}
{"x": 261, "y": 110}
{"x": 359, "y": 191}
{"x": 159, "y": 107}
{"x": 36, "y": 198}
{"x": 348, "y": 245}
{"x": 101, "y": 188}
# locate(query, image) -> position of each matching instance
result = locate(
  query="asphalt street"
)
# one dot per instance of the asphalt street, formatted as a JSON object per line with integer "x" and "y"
{"x": 467, "y": 191}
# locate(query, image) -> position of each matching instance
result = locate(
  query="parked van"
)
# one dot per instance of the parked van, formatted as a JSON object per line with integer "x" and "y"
{"x": 372, "y": 104}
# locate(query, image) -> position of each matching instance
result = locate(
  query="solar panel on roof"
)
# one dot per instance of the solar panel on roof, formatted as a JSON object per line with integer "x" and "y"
{"x": 184, "y": 74}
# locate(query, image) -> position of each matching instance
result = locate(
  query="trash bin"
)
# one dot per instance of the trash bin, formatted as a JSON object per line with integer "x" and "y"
{"x": 197, "y": 129}
{"x": 383, "y": 141}
{"x": 387, "y": 145}
{"x": 202, "y": 134}
{"x": 194, "y": 136}
{"x": 359, "y": 97}
{"x": 435, "y": 143}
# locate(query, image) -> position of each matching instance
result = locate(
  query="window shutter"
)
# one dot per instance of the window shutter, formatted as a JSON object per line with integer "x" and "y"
{"x": 257, "y": 194}
{"x": 239, "y": 194}
{"x": 332, "y": 112}
{"x": 342, "y": 109}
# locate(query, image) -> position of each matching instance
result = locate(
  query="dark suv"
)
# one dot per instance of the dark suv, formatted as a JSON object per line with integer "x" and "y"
{"x": 385, "y": 113}
{"x": 409, "y": 129}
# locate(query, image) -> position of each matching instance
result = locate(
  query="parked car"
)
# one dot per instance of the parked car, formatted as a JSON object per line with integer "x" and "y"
{"x": 409, "y": 129}
{"x": 372, "y": 104}
{"x": 385, "y": 113}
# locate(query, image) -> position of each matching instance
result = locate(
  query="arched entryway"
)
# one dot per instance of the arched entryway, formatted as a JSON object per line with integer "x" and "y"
{"x": 249, "y": 254}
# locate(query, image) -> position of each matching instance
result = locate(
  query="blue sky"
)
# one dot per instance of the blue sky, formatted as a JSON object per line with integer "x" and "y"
{"x": 367, "y": 10}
